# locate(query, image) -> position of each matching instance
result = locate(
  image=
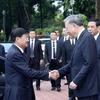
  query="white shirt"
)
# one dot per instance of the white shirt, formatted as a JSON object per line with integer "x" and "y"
{"x": 66, "y": 38}
{"x": 96, "y": 36}
{"x": 52, "y": 48}
{"x": 72, "y": 40}
{"x": 58, "y": 38}
{"x": 80, "y": 33}
{"x": 33, "y": 44}
{"x": 19, "y": 48}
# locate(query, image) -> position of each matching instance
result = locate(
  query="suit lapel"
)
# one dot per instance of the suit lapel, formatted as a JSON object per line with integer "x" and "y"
{"x": 77, "y": 43}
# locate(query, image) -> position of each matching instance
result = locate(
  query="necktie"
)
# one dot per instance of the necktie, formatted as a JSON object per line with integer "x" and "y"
{"x": 72, "y": 42}
{"x": 31, "y": 48}
{"x": 75, "y": 40}
{"x": 54, "y": 55}
{"x": 65, "y": 39}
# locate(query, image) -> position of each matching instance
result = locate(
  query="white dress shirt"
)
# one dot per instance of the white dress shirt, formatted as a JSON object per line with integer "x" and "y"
{"x": 33, "y": 44}
{"x": 96, "y": 36}
{"x": 52, "y": 48}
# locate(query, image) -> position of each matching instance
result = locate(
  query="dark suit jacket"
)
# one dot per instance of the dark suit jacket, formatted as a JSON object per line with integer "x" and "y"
{"x": 19, "y": 75}
{"x": 2, "y": 56}
{"x": 38, "y": 53}
{"x": 68, "y": 49}
{"x": 62, "y": 39}
{"x": 83, "y": 66}
{"x": 48, "y": 51}
{"x": 98, "y": 51}
{"x": 2, "y": 51}
{"x": 98, "y": 48}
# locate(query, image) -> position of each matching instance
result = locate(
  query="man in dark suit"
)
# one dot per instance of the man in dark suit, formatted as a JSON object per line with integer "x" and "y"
{"x": 2, "y": 51}
{"x": 18, "y": 74}
{"x": 68, "y": 50}
{"x": 2, "y": 55}
{"x": 63, "y": 39}
{"x": 34, "y": 54}
{"x": 58, "y": 34}
{"x": 53, "y": 53}
{"x": 65, "y": 35}
{"x": 83, "y": 65}
{"x": 2, "y": 71}
{"x": 94, "y": 29}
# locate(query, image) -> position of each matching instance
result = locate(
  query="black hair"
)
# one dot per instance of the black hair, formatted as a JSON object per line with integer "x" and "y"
{"x": 54, "y": 32}
{"x": 95, "y": 20}
{"x": 18, "y": 32}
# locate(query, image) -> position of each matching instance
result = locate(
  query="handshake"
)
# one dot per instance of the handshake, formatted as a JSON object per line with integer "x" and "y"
{"x": 54, "y": 74}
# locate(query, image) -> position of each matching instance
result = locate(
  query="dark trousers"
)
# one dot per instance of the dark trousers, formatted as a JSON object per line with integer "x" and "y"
{"x": 56, "y": 83}
{"x": 36, "y": 66}
{"x": 71, "y": 93}
{"x": 54, "y": 65}
{"x": 94, "y": 97}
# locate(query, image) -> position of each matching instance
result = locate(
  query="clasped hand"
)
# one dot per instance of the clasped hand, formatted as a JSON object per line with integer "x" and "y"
{"x": 54, "y": 74}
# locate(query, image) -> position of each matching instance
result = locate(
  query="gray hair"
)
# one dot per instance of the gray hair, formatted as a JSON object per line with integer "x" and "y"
{"x": 76, "y": 19}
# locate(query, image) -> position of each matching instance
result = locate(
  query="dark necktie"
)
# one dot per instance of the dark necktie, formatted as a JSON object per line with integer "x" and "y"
{"x": 31, "y": 48}
{"x": 65, "y": 39}
{"x": 72, "y": 42}
{"x": 75, "y": 40}
{"x": 54, "y": 55}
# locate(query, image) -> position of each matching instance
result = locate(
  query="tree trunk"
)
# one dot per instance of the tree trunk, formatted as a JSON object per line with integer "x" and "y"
{"x": 98, "y": 9}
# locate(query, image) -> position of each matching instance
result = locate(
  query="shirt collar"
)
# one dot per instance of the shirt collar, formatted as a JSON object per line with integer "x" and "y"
{"x": 19, "y": 48}
{"x": 67, "y": 37}
{"x": 32, "y": 39}
{"x": 53, "y": 41}
{"x": 96, "y": 36}
{"x": 80, "y": 33}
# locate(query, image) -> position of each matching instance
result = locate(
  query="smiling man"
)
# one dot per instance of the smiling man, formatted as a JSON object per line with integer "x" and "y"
{"x": 18, "y": 74}
{"x": 83, "y": 65}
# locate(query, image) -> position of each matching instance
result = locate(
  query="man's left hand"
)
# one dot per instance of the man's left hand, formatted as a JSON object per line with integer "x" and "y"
{"x": 72, "y": 85}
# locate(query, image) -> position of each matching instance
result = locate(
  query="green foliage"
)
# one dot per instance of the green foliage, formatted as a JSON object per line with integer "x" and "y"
{"x": 51, "y": 19}
{"x": 48, "y": 30}
{"x": 86, "y": 7}
{"x": 84, "y": 20}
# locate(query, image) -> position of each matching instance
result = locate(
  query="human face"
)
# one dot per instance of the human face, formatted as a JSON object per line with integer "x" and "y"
{"x": 64, "y": 32}
{"x": 58, "y": 34}
{"x": 22, "y": 41}
{"x": 71, "y": 29}
{"x": 32, "y": 34}
{"x": 92, "y": 28}
{"x": 53, "y": 36}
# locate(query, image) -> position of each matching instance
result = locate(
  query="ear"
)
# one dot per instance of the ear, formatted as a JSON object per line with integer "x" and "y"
{"x": 17, "y": 39}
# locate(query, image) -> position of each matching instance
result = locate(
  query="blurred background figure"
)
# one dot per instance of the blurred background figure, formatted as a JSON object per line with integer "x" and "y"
{"x": 68, "y": 50}
{"x": 65, "y": 35}
{"x": 53, "y": 53}
{"x": 94, "y": 29}
{"x": 34, "y": 54}
{"x": 58, "y": 34}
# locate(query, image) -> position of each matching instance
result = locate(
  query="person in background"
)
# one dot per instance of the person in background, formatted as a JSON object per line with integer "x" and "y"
{"x": 94, "y": 29}
{"x": 2, "y": 56}
{"x": 18, "y": 84}
{"x": 58, "y": 34}
{"x": 2, "y": 51}
{"x": 34, "y": 54}
{"x": 53, "y": 53}
{"x": 68, "y": 50}
{"x": 65, "y": 35}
